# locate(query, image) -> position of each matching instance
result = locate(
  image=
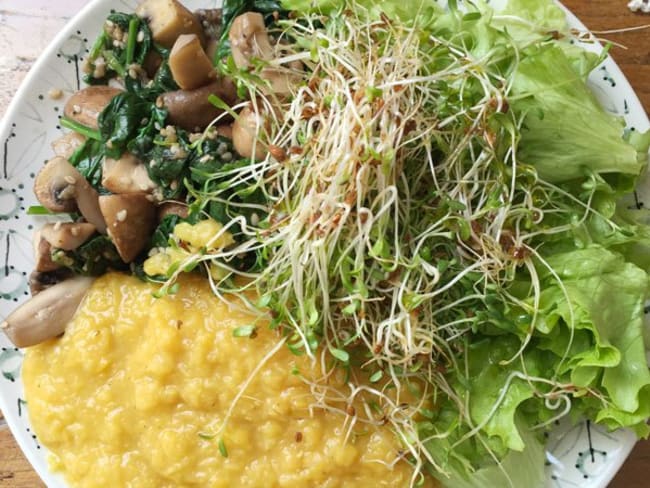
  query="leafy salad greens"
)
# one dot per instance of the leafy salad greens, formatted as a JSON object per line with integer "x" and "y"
{"x": 442, "y": 210}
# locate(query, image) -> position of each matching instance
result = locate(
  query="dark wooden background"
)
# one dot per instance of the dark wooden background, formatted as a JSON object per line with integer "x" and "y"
{"x": 598, "y": 15}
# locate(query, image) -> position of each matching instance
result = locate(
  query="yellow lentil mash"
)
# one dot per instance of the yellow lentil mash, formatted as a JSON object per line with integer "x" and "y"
{"x": 133, "y": 392}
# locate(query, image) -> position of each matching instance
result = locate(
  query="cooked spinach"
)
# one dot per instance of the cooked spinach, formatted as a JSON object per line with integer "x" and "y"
{"x": 92, "y": 258}
{"x": 143, "y": 143}
{"x": 118, "y": 55}
{"x": 120, "y": 120}
{"x": 211, "y": 175}
{"x": 160, "y": 237}
{"x": 88, "y": 160}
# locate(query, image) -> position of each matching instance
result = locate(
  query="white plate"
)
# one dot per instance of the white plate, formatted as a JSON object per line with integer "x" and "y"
{"x": 584, "y": 455}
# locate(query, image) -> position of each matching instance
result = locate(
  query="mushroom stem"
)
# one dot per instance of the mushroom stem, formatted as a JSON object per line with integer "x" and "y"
{"x": 47, "y": 314}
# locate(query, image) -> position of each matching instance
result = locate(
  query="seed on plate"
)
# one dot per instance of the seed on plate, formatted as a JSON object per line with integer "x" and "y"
{"x": 55, "y": 93}
{"x": 227, "y": 156}
{"x": 140, "y": 37}
{"x": 76, "y": 109}
{"x": 86, "y": 67}
{"x": 121, "y": 215}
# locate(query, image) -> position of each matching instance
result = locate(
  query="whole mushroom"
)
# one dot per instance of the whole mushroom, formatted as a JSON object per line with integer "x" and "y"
{"x": 59, "y": 187}
{"x": 46, "y": 315}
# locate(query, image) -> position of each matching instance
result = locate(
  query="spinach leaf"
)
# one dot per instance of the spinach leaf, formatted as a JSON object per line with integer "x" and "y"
{"x": 118, "y": 57}
{"x": 120, "y": 120}
{"x": 88, "y": 160}
{"x": 143, "y": 143}
{"x": 167, "y": 164}
{"x": 210, "y": 175}
{"x": 93, "y": 258}
{"x": 160, "y": 237}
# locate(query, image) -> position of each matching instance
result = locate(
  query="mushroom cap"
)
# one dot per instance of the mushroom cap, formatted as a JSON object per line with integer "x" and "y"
{"x": 66, "y": 145}
{"x": 245, "y": 134}
{"x": 54, "y": 185}
{"x": 192, "y": 110}
{"x": 85, "y": 105}
{"x": 47, "y": 314}
{"x": 67, "y": 235}
{"x": 43, "y": 254}
{"x": 249, "y": 39}
{"x": 172, "y": 208}
{"x": 126, "y": 175}
{"x": 61, "y": 188}
{"x": 130, "y": 220}
{"x": 39, "y": 281}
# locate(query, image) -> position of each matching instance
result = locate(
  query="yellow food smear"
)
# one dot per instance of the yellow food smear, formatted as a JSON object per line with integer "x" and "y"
{"x": 130, "y": 395}
{"x": 195, "y": 238}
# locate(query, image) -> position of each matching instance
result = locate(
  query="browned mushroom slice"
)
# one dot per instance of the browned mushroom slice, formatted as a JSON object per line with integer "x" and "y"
{"x": 66, "y": 145}
{"x": 225, "y": 130}
{"x": 249, "y": 39}
{"x": 189, "y": 64}
{"x": 130, "y": 220}
{"x": 39, "y": 281}
{"x": 246, "y": 132}
{"x": 43, "y": 254}
{"x": 47, "y": 314}
{"x": 168, "y": 19}
{"x": 86, "y": 104}
{"x": 126, "y": 175}
{"x": 172, "y": 208}
{"x": 67, "y": 235}
{"x": 54, "y": 186}
{"x": 59, "y": 187}
{"x": 191, "y": 109}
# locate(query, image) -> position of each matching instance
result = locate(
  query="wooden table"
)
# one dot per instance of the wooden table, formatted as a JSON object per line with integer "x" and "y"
{"x": 38, "y": 20}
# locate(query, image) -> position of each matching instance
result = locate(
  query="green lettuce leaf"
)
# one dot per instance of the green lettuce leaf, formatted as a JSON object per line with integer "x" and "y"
{"x": 566, "y": 133}
{"x": 517, "y": 469}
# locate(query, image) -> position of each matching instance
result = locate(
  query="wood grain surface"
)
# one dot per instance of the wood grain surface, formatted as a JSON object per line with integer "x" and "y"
{"x": 39, "y": 20}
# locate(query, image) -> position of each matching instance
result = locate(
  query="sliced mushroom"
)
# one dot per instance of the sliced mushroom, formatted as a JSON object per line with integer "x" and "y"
{"x": 130, "y": 220}
{"x": 190, "y": 66}
{"x": 126, "y": 175}
{"x": 192, "y": 111}
{"x": 246, "y": 132}
{"x": 43, "y": 254}
{"x": 67, "y": 235}
{"x": 66, "y": 145}
{"x": 172, "y": 208}
{"x": 225, "y": 130}
{"x": 86, "y": 104}
{"x": 168, "y": 19}
{"x": 59, "y": 187}
{"x": 39, "y": 281}
{"x": 249, "y": 39}
{"x": 54, "y": 186}
{"x": 47, "y": 314}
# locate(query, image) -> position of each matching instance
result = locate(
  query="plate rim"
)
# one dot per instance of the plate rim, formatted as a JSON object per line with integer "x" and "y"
{"x": 46, "y": 475}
